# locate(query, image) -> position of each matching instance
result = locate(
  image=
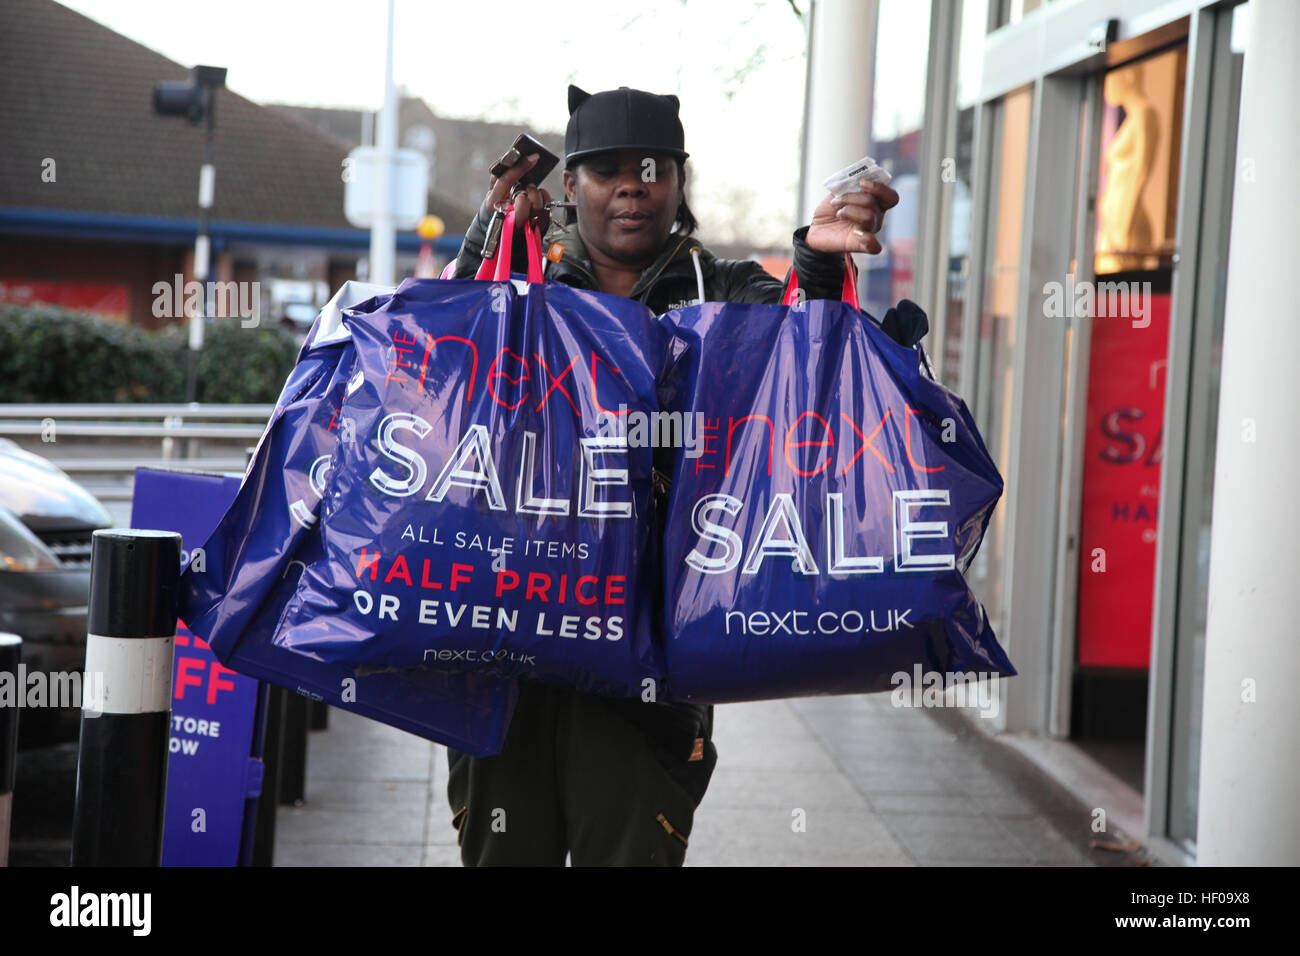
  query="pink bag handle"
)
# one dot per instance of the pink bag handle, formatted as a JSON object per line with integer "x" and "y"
{"x": 497, "y": 268}
{"x": 848, "y": 294}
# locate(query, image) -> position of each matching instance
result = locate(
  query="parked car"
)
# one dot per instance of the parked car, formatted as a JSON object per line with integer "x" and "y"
{"x": 46, "y": 521}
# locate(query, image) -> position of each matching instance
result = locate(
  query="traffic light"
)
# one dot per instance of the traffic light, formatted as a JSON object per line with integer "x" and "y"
{"x": 192, "y": 99}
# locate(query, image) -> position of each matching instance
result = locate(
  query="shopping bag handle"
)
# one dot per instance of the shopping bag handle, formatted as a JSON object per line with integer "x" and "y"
{"x": 848, "y": 294}
{"x": 497, "y": 268}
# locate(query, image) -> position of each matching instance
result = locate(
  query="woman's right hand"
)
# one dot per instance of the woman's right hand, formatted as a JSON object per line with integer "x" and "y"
{"x": 529, "y": 203}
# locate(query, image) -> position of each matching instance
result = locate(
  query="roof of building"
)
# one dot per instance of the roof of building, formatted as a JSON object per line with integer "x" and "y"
{"x": 346, "y": 124}
{"x": 79, "y": 94}
{"x": 461, "y": 151}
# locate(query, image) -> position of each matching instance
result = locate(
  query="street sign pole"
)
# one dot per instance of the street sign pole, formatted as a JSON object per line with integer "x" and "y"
{"x": 202, "y": 253}
{"x": 383, "y": 234}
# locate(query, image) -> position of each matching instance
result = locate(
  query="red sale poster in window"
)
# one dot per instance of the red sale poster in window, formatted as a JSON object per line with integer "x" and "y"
{"x": 1121, "y": 475}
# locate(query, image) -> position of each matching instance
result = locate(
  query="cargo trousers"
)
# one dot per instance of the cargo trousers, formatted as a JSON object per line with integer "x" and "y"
{"x": 603, "y": 781}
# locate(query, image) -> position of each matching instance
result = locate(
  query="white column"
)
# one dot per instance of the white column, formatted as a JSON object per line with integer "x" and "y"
{"x": 1249, "y": 773}
{"x": 383, "y": 235}
{"x": 841, "y": 70}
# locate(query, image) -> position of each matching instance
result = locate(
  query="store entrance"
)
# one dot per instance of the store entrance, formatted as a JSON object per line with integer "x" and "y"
{"x": 1123, "y": 420}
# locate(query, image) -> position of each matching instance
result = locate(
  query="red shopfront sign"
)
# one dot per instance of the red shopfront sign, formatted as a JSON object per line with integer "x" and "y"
{"x": 1121, "y": 484}
{"x": 101, "y": 298}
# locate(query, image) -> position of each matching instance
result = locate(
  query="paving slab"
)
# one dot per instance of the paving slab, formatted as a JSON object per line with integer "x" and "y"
{"x": 827, "y": 781}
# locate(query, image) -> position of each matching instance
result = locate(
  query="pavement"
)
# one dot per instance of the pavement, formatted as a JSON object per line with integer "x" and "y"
{"x": 830, "y": 781}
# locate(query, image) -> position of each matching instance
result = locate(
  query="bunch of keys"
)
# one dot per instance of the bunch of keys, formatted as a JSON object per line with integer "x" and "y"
{"x": 493, "y": 237}
{"x": 847, "y": 179}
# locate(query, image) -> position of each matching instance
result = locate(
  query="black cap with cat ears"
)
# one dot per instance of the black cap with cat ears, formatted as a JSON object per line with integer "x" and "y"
{"x": 622, "y": 119}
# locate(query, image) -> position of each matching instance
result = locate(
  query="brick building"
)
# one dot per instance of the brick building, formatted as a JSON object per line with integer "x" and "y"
{"x": 98, "y": 195}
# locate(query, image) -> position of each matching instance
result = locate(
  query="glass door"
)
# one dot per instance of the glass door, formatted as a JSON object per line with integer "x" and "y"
{"x": 995, "y": 340}
{"x": 1208, "y": 283}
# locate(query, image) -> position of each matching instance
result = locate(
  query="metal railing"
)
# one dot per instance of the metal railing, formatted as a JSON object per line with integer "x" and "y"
{"x": 127, "y": 410}
{"x": 101, "y": 445}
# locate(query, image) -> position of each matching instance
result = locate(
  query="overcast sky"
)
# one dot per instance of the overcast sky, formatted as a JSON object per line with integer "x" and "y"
{"x": 738, "y": 66}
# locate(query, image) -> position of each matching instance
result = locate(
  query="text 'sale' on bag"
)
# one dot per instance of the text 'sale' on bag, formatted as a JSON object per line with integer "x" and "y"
{"x": 485, "y": 514}
{"x": 252, "y": 561}
{"x": 816, "y": 543}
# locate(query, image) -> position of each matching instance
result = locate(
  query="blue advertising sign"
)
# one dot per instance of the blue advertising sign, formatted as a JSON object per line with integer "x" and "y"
{"x": 214, "y": 773}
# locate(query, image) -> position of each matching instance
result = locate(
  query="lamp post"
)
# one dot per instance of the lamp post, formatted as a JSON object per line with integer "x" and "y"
{"x": 196, "y": 100}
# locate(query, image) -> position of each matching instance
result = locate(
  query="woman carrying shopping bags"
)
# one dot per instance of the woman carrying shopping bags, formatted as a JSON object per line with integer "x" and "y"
{"x": 612, "y": 781}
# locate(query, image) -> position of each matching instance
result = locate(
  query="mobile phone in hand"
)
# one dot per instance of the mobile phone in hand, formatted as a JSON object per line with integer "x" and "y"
{"x": 525, "y": 146}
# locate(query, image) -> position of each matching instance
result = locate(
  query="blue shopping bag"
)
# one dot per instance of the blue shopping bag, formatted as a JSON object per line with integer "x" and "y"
{"x": 482, "y": 519}
{"x": 234, "y": 597}
{"x": 816, "y": 543}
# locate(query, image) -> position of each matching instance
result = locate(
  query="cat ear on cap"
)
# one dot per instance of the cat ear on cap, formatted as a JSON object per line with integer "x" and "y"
{"x": 672, "y": 98}
{"x": 576, "y": 98}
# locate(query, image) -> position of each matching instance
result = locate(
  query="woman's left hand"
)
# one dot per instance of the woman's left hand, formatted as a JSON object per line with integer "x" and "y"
{"x": 849, "y": 223}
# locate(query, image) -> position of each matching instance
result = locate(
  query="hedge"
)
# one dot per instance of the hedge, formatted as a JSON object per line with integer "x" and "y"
{"x": 50, "y": 354}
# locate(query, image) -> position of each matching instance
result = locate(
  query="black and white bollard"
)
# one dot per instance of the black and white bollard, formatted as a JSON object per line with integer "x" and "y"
{"x": 11, "y": 652}
{"x": 126, "y": 705}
